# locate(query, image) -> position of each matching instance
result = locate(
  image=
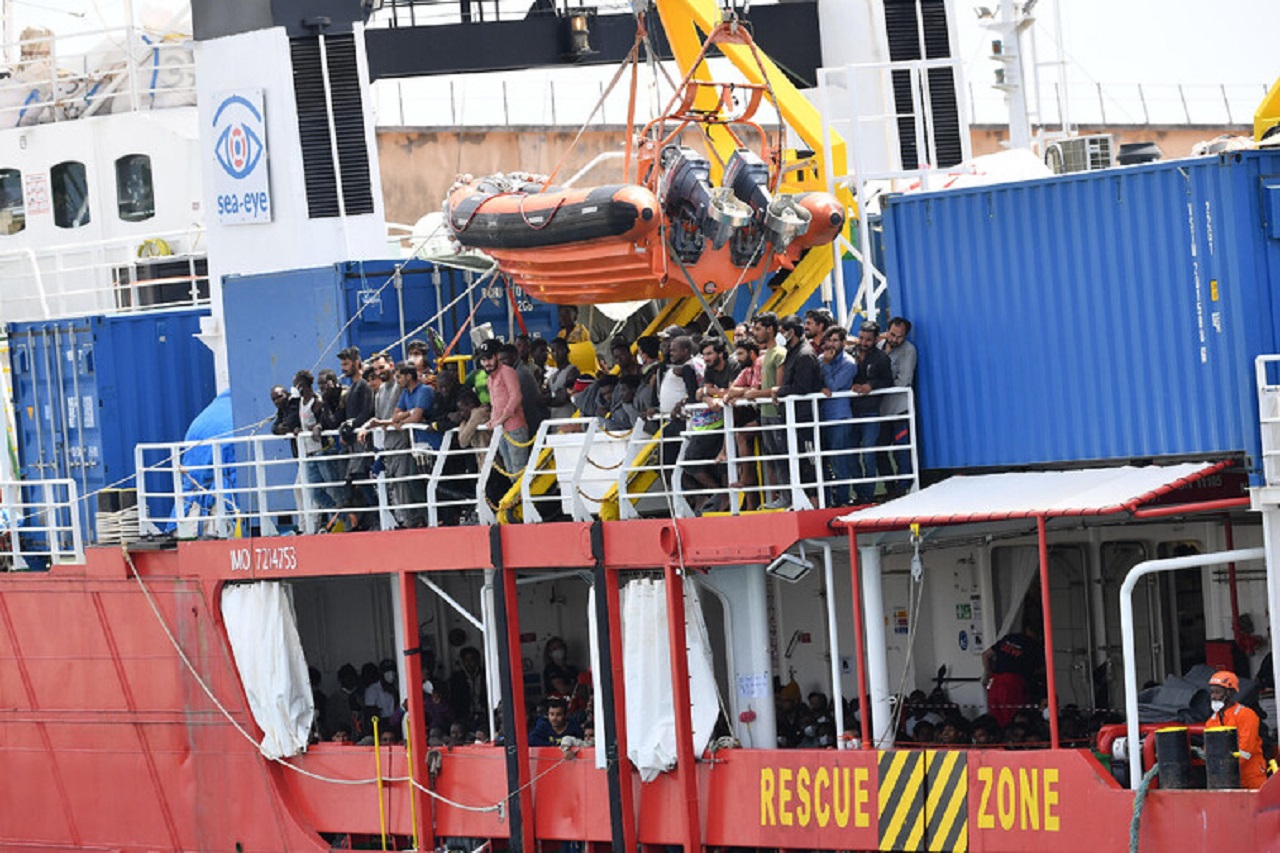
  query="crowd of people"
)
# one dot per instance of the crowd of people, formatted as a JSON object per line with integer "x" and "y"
{"x": 349, "y": 428}
{"x": 455, "y": 703}
{"x": 929, "y": 721}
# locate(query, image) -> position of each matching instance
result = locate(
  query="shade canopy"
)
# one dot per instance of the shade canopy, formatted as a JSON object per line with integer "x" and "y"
{"x": 1029, "y": 494}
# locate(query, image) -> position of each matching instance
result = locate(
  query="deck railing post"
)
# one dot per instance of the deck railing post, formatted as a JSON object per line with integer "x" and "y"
{"x": 613, "y": 702}
{"x": 1051, "y": 680}
{"x": 424, "y": 807}
{"x": 511, "y": 671}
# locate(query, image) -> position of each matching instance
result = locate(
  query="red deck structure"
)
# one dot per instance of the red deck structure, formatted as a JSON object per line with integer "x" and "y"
{"x": 109, "y": 742}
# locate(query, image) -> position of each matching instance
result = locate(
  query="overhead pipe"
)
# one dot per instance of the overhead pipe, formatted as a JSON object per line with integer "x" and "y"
{"x": 1135, "y": 574}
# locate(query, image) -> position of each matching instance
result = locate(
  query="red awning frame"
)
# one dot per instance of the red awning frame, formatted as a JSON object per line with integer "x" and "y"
{"x": 1134, "y": 506}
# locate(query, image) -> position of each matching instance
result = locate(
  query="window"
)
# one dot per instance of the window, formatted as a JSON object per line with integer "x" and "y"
{"x": 70, "y": 194}
{"x": 135, "y": 194}
{"x": 13, "y": 214}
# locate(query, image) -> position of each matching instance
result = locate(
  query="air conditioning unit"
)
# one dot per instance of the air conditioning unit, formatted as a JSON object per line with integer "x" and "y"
{"x": 1080, "y": 154}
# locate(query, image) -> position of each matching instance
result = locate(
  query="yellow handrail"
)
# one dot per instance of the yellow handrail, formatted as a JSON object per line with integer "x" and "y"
{"x": 377, "y": 769}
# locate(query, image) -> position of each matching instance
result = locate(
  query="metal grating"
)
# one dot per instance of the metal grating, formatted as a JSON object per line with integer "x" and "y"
{"x": 348, "y": 121}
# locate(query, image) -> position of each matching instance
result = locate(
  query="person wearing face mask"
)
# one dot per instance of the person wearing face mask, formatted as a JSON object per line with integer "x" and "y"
{"x": 554, "y": 656}
{"x": 1223, "y": 688}
{"x": 379, "y": 700}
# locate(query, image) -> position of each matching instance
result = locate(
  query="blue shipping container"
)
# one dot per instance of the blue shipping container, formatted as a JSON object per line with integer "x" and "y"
{"x": 1103, "y": 316}
{"x": 87, "y": 389}
{"x": 279, "y": 323}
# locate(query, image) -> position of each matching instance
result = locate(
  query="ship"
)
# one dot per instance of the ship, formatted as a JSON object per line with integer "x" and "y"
{"x": 184, "y": 593}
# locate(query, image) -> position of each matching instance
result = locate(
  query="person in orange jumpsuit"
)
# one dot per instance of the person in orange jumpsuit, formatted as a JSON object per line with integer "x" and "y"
{"x": 1223, "y": 687}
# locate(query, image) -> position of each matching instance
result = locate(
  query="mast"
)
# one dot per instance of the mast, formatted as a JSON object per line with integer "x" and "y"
{"x": 1006, "y": 48}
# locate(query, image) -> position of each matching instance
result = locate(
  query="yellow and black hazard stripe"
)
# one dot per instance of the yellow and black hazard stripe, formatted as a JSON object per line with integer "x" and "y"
{"x": 947, "y": 800}
{"x": 924, "y": 800}
{"x": 902, "y": 774}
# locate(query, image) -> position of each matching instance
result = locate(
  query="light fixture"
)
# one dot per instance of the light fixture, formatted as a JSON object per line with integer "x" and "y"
{"x": 984, "y": 13}
{"x": 579, "y": 24}
{"x": 788, "y": 567}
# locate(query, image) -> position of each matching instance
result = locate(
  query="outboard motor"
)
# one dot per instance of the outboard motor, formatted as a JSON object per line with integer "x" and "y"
{"x": 780, "y": 219}
{"x": 697, "y": 211}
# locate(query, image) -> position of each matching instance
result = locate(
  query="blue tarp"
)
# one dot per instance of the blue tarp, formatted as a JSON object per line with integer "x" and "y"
{"x": 214, "y": 421}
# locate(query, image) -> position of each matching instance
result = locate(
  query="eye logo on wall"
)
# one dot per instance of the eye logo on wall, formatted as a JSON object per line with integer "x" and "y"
{"x": 242, "y": 192}
{"x": 238, "y": 148}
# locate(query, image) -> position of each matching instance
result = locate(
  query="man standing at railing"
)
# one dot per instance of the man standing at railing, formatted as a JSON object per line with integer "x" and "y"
{"x": 412, "y": 407}
{"x": 773, "y": 441}
{"x": 838, "y": 370}
{"x": 902, "y": 358}
{"x": 801, "y": 374}
{"x": 678, "y": 385}
{"x": 874, "y": 372}
{"x": 320, "y": 474}
{"x": 386, "y": 394}
{"x": 507, "y": 404}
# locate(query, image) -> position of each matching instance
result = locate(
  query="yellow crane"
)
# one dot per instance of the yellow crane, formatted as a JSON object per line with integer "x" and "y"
{"x": 688, "y": 23}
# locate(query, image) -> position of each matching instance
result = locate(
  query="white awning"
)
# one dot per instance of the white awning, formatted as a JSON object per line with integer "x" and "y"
{"x": 1028, "y": 494}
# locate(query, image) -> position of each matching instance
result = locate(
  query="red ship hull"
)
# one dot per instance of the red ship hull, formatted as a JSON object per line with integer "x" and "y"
{"x": 109, "y": 743}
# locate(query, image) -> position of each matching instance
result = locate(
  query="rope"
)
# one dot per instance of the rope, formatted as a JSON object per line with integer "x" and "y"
{"x": 911, "y": 644}
{"x": 550, "y": 216}
{"x": 251, "y": 429}
{"x": 517, "y": 475}
{"x": 626, "y": 434}
{"x": 631, "y": 56}
{"x": 614, "y": 467}
{"x": 1139, "y": 799}
{"x": 521, "y": 444}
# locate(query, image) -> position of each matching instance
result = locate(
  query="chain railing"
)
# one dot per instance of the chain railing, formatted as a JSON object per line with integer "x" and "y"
{"x": 39, "y": 524}
{"x": 273, "y": 485}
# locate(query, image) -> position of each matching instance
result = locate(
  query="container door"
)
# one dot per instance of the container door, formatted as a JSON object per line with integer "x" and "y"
{"x": 50, "y": 429}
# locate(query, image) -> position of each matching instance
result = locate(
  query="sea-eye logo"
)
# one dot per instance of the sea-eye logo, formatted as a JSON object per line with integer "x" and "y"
{"x": 238, "y": 146}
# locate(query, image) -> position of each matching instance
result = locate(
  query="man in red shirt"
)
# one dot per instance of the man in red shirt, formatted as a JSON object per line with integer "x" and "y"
{"x": 1223, "y": 687}
{"x": 507, "y": 408}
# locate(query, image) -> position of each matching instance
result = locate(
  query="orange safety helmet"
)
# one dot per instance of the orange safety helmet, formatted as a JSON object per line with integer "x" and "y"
{"x": 1225, "y": 678}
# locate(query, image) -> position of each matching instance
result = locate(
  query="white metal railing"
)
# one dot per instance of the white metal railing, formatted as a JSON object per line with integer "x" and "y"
{"x": 803, "y": 462}
{"x": 584, "y": 458}
{"x": 228, "y": 487}
{"x": 115, "y": 275}
{"x": 39, "y": 524}
{"x": 63, "y": 78}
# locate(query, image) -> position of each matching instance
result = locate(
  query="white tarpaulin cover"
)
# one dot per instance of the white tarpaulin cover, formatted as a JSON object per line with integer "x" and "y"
{"x": 1027, "y": 494}
{"x": 651, "y": 723}
{"x": 264, "y": 640}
